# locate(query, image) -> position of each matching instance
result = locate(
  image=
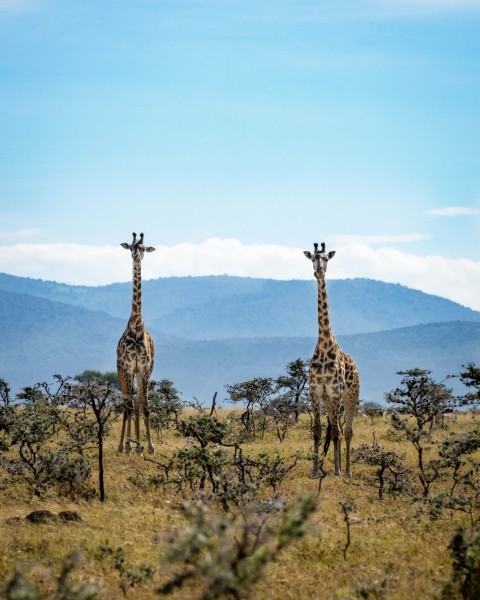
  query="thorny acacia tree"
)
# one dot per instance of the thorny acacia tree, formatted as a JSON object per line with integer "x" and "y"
{"x": 471, "y": 378}
{"x": 165, "y": 403}
{"x": 417, "y": 404}
{"x": 253, "y": 393}
{"x": 30, "y": 429}
{"x": 107, "y": 377}
{"x": 294, "y": 385}
{"x": 101, "y": 399}
{"x": 273, "y": 402}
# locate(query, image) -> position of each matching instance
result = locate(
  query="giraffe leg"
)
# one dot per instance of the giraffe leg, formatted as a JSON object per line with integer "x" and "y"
{"x": 337, "y": 442}
{"x": 143, "y": 400}
{"x": 136, "y": 411}
{"x": 146, "y": 418}
{"x": 130, "y": 409}
{"x": 128, "y": 443}
{"x": 334, "y": 431}
{"x": 126, "y": 382}
{"x": 348, "y": 438}
{"x": 122, "y": 434}
{"x": 317, "y": 433}
{"x": 337, "y": 446}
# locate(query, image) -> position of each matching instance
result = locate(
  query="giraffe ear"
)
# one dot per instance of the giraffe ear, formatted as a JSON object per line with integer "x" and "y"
{"x": 149, "y": 249}
{"x": 308, "y": 254}
{"x": 126, "y": 246}
{"x": 331, "y": 254}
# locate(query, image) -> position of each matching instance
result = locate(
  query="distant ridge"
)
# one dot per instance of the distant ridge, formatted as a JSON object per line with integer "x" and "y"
{"x": 40, "y": 337}
{"x": 439, "y": 347}
{"x": 255, "y": 327}
{"x": 224, "y": 307}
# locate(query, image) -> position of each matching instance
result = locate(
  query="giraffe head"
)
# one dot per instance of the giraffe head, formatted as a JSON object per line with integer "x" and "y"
{"x": 319, "y": 259}
{"x": 137, "y": 247}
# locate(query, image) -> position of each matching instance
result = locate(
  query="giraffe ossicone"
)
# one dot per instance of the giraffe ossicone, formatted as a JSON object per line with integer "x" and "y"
{"x": 333, "y": 377}
{"x": 135, "y": 357}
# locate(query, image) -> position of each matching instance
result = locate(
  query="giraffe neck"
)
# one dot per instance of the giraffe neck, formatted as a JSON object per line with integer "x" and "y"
{"x": 325, "y": 334}
{"x": 136, "y": 319}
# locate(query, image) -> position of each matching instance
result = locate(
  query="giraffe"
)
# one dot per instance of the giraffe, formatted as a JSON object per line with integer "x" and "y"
{"x": 333, "y": 375}
{"x": 135, "y": 353}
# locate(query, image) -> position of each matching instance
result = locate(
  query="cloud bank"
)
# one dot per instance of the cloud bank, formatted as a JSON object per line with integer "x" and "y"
{"x": 456, "y": 279}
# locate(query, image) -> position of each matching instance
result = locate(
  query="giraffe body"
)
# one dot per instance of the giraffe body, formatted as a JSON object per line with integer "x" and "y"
{"x": 135, "y": 358}
{"x": 333, "y": 376}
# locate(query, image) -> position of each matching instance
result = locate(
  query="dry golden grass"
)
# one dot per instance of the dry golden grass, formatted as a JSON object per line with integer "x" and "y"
{"x": 394, "y": 553}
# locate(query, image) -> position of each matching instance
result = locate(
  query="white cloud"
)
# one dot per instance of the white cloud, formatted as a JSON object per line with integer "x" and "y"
{"x": 97, "y": 265}
{"x": 456, "y": 279}
{"x": 68, "y": 263}
{"x": 454, "y": 211}
{"x": 218, "y": 256}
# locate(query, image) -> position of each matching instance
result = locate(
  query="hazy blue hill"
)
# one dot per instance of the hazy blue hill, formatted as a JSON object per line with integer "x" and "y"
{"x": 201, "y": 368}
{"x": 40, "y": 337}
{"x": 359, "y": 305}
{"x": 114, "y": 299}
{"x": 259, "y": 325}
{"x": 440, "y": 347}
{"x": 289, "y": 308}
{"x": 232, "y": 307}
{"x": 160, "y": 296}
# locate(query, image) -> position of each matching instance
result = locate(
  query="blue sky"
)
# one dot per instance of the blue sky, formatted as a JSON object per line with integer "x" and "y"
{"x": 235, "y": 133}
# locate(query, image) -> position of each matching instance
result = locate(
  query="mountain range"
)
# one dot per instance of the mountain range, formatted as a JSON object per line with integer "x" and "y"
{"x": 212, "y": 331}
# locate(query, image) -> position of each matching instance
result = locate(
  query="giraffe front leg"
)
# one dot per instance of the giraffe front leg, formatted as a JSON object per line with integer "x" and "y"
{"x": 337, "y": 449}
{"x": 317, "y": 435}
{"x": 146, "y": 419}
{"x": 138, "y": 449}
{"x": 128, "y": 443}
{"x": 150, "y": 446}
{"x": 126, "y": 384}
{"x": 348, "y": 439}
{"x": 126, "y": 426}
{"x": 337, "y": 443}
{"x": 122, "y": 434}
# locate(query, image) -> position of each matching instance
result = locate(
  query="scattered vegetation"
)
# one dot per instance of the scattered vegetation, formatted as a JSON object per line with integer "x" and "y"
{"x": 226, "y": 508}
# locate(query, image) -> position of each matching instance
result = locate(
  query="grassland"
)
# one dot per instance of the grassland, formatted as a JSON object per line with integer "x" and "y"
{"x": 397, "y": 550}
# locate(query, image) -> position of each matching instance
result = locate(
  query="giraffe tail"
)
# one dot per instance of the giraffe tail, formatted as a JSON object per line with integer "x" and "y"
{"x": 328, "y": 438}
